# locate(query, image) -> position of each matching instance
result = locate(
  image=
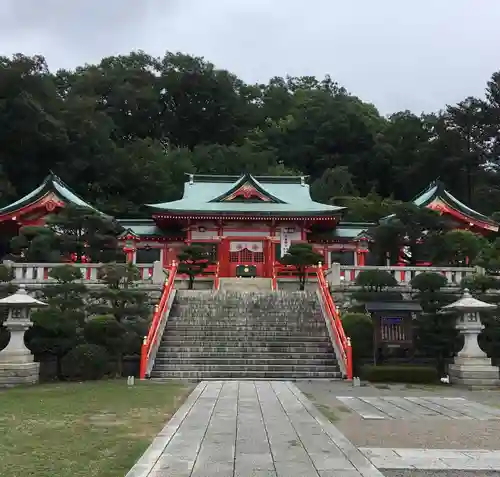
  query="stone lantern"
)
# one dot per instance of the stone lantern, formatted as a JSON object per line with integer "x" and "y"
{"x": 471, "y": 366}
{"x": 16, "y": 361}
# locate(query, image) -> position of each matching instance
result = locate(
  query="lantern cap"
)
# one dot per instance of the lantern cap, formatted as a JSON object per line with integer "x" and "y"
{"x": 21, "y": 299}
{"x": 469, "y": 303}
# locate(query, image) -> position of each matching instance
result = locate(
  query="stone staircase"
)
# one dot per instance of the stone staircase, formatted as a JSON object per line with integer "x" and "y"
{"x": 235, "y": 335}
{"x": 245, "y": 284}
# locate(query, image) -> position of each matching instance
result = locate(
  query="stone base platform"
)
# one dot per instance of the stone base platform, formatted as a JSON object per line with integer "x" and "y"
{"x": 16, "y": 374}
{"x": 474, "y": 373}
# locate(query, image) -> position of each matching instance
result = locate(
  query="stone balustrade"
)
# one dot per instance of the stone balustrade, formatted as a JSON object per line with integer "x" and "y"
{"x": 346, "y": 274}
{"x": 33, "y": 273}
{"x": 38, "y": 273}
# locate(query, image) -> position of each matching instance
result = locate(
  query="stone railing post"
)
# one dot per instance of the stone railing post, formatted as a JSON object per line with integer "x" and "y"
{"x": 158, "y": 276}
{"x": 333, "y": 275}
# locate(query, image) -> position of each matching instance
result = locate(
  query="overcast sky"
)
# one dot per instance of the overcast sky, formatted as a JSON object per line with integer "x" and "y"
{"x": 397, "y": 54}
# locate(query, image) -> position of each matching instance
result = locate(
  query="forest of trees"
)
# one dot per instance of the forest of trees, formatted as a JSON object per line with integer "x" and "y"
{"x": 123, "y": 132}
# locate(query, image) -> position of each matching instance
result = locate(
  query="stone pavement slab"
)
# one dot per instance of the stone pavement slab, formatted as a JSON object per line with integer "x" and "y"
{"x": 251, "y": 429}
{"x": 425, "y": 407}
{"x": 433, "y": 459}
{"x": 451, "y": 428}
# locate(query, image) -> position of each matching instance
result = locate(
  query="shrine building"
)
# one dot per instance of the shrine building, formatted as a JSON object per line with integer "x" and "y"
{"x": 242, "y": 221}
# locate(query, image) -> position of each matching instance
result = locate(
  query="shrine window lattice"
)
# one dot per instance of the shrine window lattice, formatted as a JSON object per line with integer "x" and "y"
{"x": 246, "y": 256}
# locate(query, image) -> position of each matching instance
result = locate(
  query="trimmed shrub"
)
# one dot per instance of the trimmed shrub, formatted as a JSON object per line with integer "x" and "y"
{"x": 375, "y": 280}
{"x": 359, "y": 327}
{"x": 400, "y": 374}
{"x": 86, "y": 362}
{"x": 429, "y": 282}
{"x": 480, "y": 283}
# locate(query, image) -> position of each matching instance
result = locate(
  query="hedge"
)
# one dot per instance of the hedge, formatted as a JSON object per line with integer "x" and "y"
{"x": 400, "y": 374}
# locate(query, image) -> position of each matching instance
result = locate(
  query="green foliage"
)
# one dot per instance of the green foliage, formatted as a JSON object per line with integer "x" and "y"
{"x": 56, "y": 328}
{"x": 489, "y": 257}
{"x": 428, "y": 282}
{"x": 359, "y": 327}
{"x": 400, "y": 374}
{"x": 435, "y": 333}
{"x": 36, "y": 244}
{"x": 111, "y": 335}
{"x": 122, "y": 299}
{"x": 374, "y": 285}
{"x": 122, "y": 132}
{"x": 375, "y": 280}
{"x": 370, "y": 208}
{"x": 410, "y": 226}
{"x": 479, "y": 283}
{"x": 193, "y": 261}
{"x": 301, "y": 256}
{"x": 73, "y": 230}
{"x": 460, "y": 248}
{"x": 86, "y": 362}
{"x": 82, "y": 232}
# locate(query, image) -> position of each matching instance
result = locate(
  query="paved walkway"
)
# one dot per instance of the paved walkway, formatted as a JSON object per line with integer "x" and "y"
{"x": 251, "y": 429}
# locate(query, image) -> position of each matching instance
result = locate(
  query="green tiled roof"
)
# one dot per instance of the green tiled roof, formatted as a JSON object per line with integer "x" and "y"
{"x": 146, "y": 228}
{"x": 51, "y": 183}
{"x": 204, "y": 194}
{"x": 437, "y": 190}
{"x": 346, "y": 231}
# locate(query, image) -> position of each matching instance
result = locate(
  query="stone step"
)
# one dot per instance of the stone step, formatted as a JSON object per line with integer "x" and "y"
{"x": 242, "y": 322}
{"x": 241, "y": 361}
{"x": 275, "y": 341}
{"x": 243, "y": 328}
{"x": 257, "y": 316}
{"x": 243, "y": 348}
{"x": 267, "y": 366}
{"x": 247, "y": 334}
{"x": 235, "y": 355}
{"x": 239, "y": 374}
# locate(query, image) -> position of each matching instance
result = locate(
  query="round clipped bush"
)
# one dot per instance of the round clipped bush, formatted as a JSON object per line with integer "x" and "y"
{"x": 375, "y": 280}
{"x": 429, "y": 282}
{"x": 86, "y": 362}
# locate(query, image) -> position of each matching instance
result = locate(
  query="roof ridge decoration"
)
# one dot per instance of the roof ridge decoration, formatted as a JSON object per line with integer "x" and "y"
{"x": 247, "y": 188}
{"x": 437, "y": 197}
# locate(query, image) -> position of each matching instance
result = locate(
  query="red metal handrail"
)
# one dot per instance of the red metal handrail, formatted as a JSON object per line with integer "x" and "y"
{"x": 217, "y": 278}
{"x": 274, "y": 281}
{"x": 153, "y": 334}
{"x": 343, "y": 342}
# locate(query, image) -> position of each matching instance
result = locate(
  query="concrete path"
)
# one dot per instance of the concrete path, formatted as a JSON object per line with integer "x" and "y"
{"x": 251, "y": 429}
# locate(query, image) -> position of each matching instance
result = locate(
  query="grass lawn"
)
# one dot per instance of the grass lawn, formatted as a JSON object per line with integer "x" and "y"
{"x": 82, "y": 429}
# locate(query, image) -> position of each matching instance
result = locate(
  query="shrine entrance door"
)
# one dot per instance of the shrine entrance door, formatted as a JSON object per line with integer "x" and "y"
{"x": 246, "y": 258}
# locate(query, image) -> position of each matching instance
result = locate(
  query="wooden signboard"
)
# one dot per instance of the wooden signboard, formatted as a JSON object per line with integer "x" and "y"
{"x": 392, "y": 327}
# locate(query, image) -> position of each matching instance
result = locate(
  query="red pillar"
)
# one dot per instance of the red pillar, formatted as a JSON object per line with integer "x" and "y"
{"x": 223, "y": 257}
{"x": 361, "y": 254}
